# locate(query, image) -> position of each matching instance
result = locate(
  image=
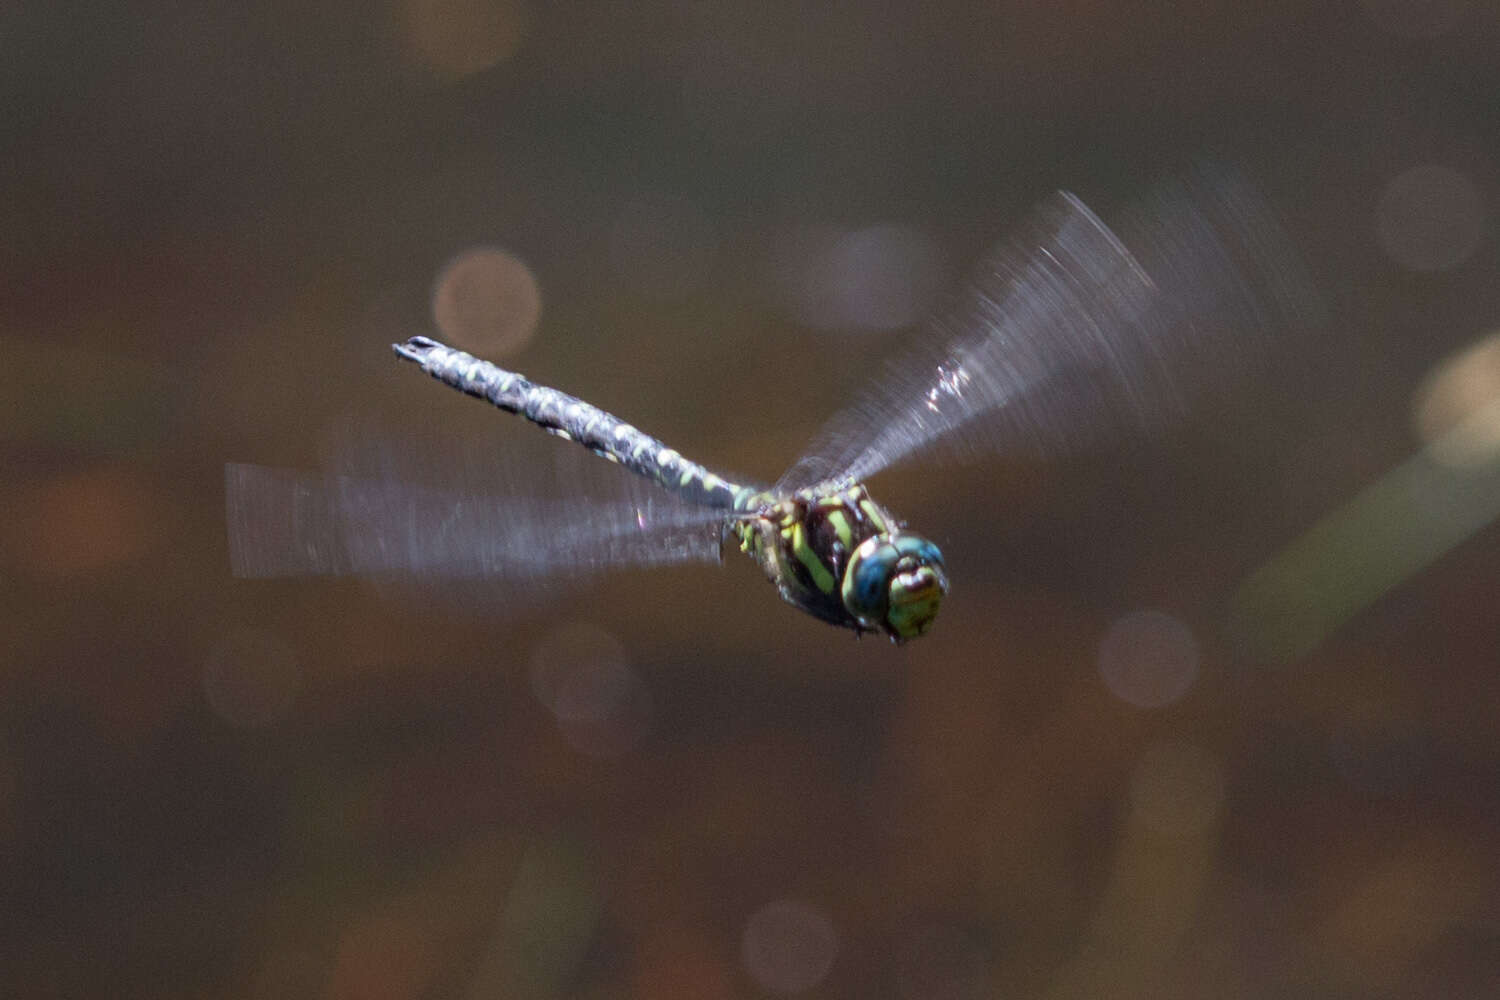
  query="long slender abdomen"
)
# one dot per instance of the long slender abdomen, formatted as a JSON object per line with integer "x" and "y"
{"x": 570, "y": 417}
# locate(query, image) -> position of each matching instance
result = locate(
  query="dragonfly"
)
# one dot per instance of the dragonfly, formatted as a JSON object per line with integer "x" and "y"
{"x": 1069, "y": 333}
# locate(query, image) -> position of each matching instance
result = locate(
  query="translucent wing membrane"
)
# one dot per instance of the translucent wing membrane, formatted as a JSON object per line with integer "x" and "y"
{"x": 1072, "y": 332}
{"x": 496, "y": 533}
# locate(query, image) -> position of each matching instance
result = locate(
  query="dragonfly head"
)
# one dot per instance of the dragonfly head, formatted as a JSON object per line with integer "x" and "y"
{"x": 894, "y": 582}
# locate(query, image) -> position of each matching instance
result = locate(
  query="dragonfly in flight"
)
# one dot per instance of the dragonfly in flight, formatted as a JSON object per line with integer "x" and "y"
{"x": 1069, "y": 331}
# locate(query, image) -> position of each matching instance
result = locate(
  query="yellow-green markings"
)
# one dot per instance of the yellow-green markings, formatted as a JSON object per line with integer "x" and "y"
{"x": 873, "y": 513}
{"x": 821, "y": 577}
{"x": 841, "y": 528}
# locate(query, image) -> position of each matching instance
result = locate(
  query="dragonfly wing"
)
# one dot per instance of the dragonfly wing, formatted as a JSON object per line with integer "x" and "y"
{"x": 477, "y": 536}
{"x": 1074, "y": 331}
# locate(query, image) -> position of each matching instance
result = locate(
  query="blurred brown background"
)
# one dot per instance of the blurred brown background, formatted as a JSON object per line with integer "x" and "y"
{"x": 1089, "y": 781}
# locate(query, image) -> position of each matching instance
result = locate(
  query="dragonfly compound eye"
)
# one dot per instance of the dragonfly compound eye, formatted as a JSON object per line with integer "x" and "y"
{"x": 895, "y": 583}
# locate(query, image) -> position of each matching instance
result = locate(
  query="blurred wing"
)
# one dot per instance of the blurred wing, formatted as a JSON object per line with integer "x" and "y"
{"x": 1071, "y": 333}
{"x": 286, "y": 522}
{"x": 465, "y": 530}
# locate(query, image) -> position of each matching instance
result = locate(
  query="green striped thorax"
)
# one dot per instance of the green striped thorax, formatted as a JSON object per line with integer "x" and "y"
{"x": 841, "y": 557}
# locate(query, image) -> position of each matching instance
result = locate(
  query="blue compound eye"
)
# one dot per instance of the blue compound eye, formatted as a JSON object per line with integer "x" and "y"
{"x": 919, "y": 548}
{"x": 895, "y": 583}
{"x": 871, "y": 576}
{"x": 916, "y": 590}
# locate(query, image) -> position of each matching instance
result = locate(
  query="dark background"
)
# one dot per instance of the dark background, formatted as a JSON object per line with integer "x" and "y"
{"x": 217, "y": 217}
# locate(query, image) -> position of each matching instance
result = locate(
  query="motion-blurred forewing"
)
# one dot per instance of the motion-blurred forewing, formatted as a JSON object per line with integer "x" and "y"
{"x": 1074, "y": 331}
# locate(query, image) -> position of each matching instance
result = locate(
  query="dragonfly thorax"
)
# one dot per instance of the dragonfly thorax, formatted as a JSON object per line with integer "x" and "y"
{"x": 838, "y": 555}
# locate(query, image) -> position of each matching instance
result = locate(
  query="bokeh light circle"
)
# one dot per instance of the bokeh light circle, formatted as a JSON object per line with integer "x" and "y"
{"x": 1430, "y": 218}
{"x": 486, "y": 301}
{"x": 81, "y": 522}
{"x": 452, "y": 39}
{"x": 1148, "y": 658}
{"x": 882, "y": 277}
{"x": 580, "y": 673}
{"x": 788, "y": 946}
{"x": 1457, "y": 407}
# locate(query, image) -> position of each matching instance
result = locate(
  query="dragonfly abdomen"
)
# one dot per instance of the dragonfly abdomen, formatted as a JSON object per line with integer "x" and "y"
{"x": 570, "y": 417}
